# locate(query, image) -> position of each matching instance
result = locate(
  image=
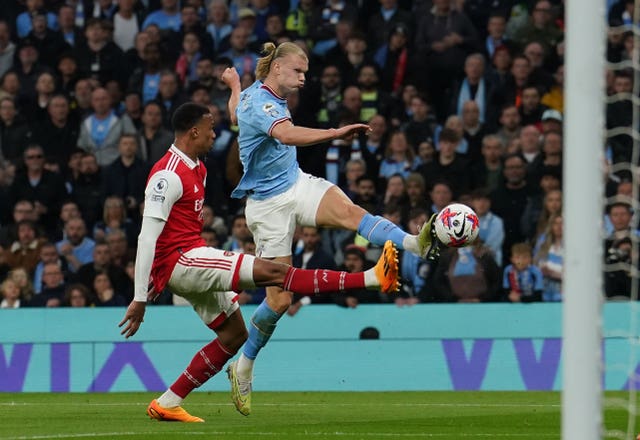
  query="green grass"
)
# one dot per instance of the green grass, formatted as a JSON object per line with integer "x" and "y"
{"x": 397, "y": 415}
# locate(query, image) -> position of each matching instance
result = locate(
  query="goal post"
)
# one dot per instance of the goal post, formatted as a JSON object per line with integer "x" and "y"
{"x": 582, "y": 213}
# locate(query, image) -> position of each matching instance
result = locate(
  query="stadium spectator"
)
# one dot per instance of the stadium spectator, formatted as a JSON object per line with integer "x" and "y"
{"x": 522, "y": 281}
{"x": 22, "y": 210}
{"x": 414, "y": 270}
{"x": 100, "y": 132}
{"x": 166, "y": 18}
{"x": 76, "y": 247}
{"x": 399, "y": 157}
{"x": 218, "y": 25}
{"x": 58, "y": 132}
{"x": 448, "y": 165}
{"x": 15, "y": 133}
{"x": 114, "y": 217}
{"x": 126, "y": 176}
{"x": 106, "y": 295}
{"x": 44, "y": 188}
{"x": 510, "y": 124}
{"x": 324, "y": 27}
{"x": 466, "y": 275}
{"x": 487, "y": 173}
{"x": 10, "y": 295}
{"x": 73, "y": 34}
{"x": 531, "y": 109}
{"x": 491, "y": 232}
{"x": 22, "y": 280}
{"x": 88, "y": 189}
{"x": 49, "y": 43}
{"x": 102, "y": 263}
{"x": 25, "y": 251}
{"x": 48, "y": 254}
{"x": 23, "y": 22}
{"x": 53, "y": 287}
{"x": 7, "y": 48}
{"x": 77, "y": 295}
{"x": 127, "y": 22}
{"x": 509, "y": 200}
{"x": 98, "y": 57}
{"x": 422, "y": 123}
{"x": 473, "y": 131}
{"x": 170, "y": 96}
{"x": 549, "y": 258}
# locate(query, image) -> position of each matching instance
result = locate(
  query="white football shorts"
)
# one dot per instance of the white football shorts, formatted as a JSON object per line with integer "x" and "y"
{"x": 273, "y": 221}
{"x": 209, "y": 278}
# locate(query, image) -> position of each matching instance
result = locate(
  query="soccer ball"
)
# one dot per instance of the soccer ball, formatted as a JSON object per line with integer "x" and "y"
{"x": 457, "y": 225}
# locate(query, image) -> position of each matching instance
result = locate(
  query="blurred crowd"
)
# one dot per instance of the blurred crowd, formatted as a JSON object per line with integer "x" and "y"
{"x": 464, "y": 99}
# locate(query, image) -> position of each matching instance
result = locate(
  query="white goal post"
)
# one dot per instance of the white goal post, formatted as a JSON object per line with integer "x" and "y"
{"x": 582, "y": 213}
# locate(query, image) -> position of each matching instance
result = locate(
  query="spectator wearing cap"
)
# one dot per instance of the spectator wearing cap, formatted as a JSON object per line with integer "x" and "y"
{"x": 167, "y": 17}
{"x": 393, "y": 58}
{"x": 7, "y": 48}
{"x": 386, "y": 20}
{"x": 23, "y": 22}
{"x": 49, "y": 43}
{"x": 551, "y": 121}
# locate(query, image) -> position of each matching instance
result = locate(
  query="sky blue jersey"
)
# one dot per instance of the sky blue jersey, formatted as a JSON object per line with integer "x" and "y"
{"x": 270, "y": 167}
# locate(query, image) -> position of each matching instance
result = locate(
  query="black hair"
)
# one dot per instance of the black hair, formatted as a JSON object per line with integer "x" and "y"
{"x": 187, "y": 115}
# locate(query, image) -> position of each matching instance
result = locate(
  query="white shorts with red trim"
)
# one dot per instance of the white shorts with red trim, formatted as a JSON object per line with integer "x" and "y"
{"x": 209, "y": 278}
{"x": 273, "y": 221}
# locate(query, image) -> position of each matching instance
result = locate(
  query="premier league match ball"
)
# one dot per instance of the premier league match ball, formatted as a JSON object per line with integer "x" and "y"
{"x": 457, "y": 225}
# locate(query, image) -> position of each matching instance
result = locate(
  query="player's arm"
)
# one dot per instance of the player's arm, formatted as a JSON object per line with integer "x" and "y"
{"x": 290, "y": 134}
{"x": 231, "y": 78}
{"x": 163, "y": 190}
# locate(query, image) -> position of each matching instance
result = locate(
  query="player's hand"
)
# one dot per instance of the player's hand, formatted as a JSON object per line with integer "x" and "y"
{"x": 133, "y": 318}
{"x": 230, "y": 77}
{"x": 349, "y": 130}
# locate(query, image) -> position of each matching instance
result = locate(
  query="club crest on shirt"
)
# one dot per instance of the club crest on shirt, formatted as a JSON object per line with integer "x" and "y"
{"x": 270, "y": 109}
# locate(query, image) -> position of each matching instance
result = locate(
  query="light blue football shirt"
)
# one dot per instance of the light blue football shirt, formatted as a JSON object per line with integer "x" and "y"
{"x": 270, "y": 167}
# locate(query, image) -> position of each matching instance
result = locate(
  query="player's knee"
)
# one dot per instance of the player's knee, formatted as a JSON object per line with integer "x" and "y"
{"x": 351, "y": 216}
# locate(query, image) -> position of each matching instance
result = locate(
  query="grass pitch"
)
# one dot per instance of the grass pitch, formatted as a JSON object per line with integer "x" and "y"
{"x": 370, "y": 416}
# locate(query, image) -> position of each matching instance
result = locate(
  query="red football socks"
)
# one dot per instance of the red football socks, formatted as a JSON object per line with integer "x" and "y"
{"x": 204, "y": 365}
{"x": 314, "y": 281}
